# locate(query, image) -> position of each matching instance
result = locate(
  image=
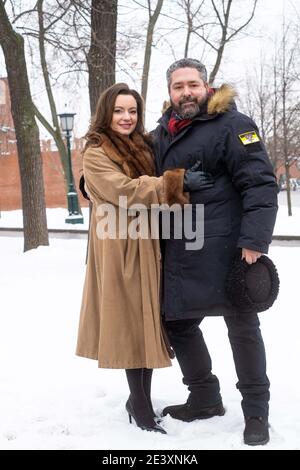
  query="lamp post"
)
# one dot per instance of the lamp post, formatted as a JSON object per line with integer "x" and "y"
{"x": 74, "y": 217}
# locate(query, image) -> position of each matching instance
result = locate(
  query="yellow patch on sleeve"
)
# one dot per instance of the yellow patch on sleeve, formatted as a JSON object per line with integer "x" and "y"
{"x": 249, "y": 138}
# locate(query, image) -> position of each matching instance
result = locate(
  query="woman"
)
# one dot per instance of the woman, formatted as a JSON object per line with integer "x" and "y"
{"x": 120, "y": 323}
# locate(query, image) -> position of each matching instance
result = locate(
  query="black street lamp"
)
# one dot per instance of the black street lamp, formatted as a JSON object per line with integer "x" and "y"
{"x": 74, "y": 217}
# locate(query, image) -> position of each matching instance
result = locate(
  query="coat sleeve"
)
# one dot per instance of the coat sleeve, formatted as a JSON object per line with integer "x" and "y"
{"x": 105, "y": 180}
{"x": 252, "y": 174}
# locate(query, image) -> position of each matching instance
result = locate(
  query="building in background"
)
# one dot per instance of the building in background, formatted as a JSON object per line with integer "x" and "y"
{"x": 7, "y": 132}
{"x": 10, "y": 190}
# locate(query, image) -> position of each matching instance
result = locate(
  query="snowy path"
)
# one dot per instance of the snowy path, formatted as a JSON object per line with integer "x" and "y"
{"x": 51, "y": 399}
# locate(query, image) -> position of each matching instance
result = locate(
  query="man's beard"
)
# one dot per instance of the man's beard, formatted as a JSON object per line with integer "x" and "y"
{"x": 189, "y": 112}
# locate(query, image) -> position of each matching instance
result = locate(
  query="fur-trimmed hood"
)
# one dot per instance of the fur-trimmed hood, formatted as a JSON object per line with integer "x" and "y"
{"x": 221, "y": 100}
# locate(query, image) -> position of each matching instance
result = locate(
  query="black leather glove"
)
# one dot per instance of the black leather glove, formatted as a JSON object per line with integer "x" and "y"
{"x": 195, "y": 180}
{"x": 81, "y": 187}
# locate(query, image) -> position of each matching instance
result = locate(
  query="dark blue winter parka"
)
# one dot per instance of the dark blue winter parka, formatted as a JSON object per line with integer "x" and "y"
{"x": 239, "y": 210}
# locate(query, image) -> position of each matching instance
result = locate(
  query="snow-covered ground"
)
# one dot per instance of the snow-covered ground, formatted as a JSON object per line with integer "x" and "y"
{"x": 55, "y": 219}
{"x": 285, "y": 225}
{"x": 52, "y": 399}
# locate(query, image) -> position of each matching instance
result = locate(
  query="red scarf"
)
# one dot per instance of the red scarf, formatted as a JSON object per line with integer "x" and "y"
{"x": 175, "y": 124}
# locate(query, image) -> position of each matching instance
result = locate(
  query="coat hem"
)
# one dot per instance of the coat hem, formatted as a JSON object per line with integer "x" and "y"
{"x": 139, "y": 365}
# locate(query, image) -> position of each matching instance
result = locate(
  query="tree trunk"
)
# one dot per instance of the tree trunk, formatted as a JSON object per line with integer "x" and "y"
{"x": 223, "y": 15}
{"x": 275, "y": 139}
{"x": 149, "y": 39}
{"x": 27, "y": 134}
{"x": 285, "y": 149}
{"x": 216, "y": 67}
{"x": 102, "y": 53}
{"x": 284, "y": 122}
{"x": 54, "y": 130}
{"x": 188, "y": 37}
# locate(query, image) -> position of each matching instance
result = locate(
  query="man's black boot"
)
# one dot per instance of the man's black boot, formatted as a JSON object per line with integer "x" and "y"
{"x": 187, "y": 412}
{"x": 256, "y": 431}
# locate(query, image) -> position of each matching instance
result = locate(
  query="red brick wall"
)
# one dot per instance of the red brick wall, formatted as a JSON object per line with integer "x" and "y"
{"x": 10, "y": 192}
{"x": 294, "y": 170}
{"x": 10, "y": 197}
{"x": 5, "y": 114}
{"x": 55, "y": 192}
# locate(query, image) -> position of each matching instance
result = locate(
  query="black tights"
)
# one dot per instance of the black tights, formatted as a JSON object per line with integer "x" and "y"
{"x": 139, "y": 381}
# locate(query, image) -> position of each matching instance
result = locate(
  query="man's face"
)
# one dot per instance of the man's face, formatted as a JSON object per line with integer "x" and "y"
{"x": 187, "y": 92}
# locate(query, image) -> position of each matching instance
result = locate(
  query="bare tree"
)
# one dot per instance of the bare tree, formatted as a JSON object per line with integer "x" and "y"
{"x": 28, "y": 145}
{"x": 53, "y": 129}
{"x": 273, "y": 150}
{"x": 287, "y": 138}
{"x": 41, "y": 32}
{"x": 192, "y": 13}
{"x": 259, "y": 98}
{"x": 275, "y": 99}
{"x": 204, "y": 23}
{"x": 64, "y": 29}
{"x": 83, "y": 36}
{"x": 227, "y": 31}
{"x": 285, "y": 79}
{"x": 101, "y": 57}
{"x": 153, "y": 17}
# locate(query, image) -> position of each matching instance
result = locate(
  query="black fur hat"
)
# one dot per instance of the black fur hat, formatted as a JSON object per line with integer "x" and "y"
{"x": 252, "y": 288}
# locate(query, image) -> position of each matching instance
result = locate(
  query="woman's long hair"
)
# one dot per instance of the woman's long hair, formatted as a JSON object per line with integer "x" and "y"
{"x": 102, "y": 118}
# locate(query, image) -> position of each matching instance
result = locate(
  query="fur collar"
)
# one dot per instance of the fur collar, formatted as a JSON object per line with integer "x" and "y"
{"x": 221, "y": 100}
{"x": 132, "y": 154}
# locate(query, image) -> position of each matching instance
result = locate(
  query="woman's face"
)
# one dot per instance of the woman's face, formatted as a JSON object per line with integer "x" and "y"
{"x": 124, "y": 118}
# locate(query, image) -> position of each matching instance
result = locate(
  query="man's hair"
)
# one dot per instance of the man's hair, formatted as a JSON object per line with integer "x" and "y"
{"x": 182, "y": 63}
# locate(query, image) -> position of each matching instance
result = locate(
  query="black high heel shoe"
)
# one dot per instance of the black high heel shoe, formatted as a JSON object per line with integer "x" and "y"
{"x": 157, "y": 418}
{"x": 138, "y": 420}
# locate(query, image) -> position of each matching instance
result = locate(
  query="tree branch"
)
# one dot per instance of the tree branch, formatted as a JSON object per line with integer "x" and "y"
{"x": 245, "y": 24}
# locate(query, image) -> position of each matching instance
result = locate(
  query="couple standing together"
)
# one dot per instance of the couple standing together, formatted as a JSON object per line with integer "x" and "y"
{"x": 202, "y": 152}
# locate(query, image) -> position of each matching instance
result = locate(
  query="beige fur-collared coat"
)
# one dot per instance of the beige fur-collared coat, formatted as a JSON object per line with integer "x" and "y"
{"x": 120, "y": 323}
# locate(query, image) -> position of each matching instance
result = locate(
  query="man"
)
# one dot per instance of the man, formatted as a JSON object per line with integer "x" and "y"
{"x": 203, "y": 125}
